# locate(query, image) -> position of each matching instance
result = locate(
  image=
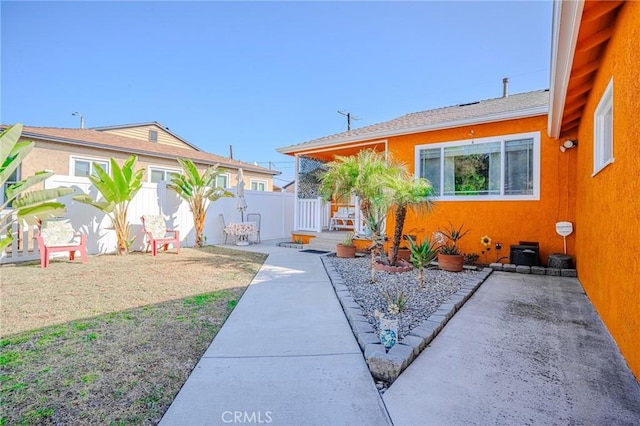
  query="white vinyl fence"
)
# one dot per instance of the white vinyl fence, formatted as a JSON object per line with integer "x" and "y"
{"x": 275, "y": 208}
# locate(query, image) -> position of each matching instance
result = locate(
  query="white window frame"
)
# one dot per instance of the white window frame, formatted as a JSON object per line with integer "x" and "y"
{"x": 9, "y": 182}
{"x": 227, "y": 176}
{"x": 600, "y": 137}
{"x": 165, "y": 170}
{"x": 258, "y": 181}
{"x": 501, "y": 139}
{"x": 90, "y": 160}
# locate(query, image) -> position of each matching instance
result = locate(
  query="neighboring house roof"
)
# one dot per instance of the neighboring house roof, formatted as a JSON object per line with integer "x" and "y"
{"x": 510, "y": 107}
{"x": 151, "y": 123}
{"x": 112, "y": 142}
{"x": 580, "y": 32}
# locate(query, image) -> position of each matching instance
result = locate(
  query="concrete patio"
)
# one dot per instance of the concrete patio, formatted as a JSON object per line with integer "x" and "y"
{"x": 524, "y": 349}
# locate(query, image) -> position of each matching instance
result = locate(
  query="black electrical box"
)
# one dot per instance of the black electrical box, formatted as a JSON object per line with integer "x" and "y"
{"x": 525, "y": 254}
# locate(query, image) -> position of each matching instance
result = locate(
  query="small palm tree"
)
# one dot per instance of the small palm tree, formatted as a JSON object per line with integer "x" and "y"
{"x": 27, "y": 206}
{"x": 407, "y": 194}
{"x": 199, "y": 191}
{"x": 117, "y": 190}
{"x": 422, "y": 255}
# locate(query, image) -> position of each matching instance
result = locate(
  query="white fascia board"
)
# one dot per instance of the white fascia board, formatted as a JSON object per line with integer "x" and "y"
{"x": 566, "y": 25}
{"x": 502, "y": 116}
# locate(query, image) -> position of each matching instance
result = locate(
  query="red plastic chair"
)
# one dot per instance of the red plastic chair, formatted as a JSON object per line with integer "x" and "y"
{"x": 59, "y": 235}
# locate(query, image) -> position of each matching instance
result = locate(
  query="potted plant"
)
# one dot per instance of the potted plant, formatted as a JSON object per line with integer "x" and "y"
{"x": 450, "y": 257}
{"x": 346, "y": 248}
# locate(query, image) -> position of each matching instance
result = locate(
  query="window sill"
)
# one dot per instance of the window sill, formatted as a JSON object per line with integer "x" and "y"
{"x": 603, "y": 166}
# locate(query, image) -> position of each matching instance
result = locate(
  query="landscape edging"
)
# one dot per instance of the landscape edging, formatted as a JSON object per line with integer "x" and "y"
{"x": 384, "y": 365}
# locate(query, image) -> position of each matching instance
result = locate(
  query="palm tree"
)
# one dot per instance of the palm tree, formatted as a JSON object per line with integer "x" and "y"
{"x": 363, "y": 175}
{"x": 407, "y": 194}
{"x": 117, "y": 190}
{"x": 27, "y": 206}
{"x": 199, "y": 191}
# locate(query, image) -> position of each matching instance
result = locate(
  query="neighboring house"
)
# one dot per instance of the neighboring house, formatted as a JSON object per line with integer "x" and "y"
{"x": 525, "y": 178}
{"x": 73, "y": 151}
{"x": 595, "y": 99}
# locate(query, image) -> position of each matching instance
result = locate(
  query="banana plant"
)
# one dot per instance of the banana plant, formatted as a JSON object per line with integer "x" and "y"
{"x": 117, "y": 192}
{"x": 25, "y": 207}
{"x": 199, "y": 191}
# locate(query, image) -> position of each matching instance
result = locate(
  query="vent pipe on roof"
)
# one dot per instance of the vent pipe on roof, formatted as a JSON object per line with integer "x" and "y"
{"x": 505, "y": 87}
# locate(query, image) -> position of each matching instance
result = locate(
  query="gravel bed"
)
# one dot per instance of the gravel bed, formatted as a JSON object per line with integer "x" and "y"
{"x": 379, "y": 297}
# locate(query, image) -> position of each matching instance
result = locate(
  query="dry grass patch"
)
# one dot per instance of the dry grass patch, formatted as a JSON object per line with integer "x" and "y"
{"x": 122, "y": 335}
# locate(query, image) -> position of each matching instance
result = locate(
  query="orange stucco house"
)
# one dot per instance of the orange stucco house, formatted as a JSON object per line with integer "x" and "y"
{"x": 564, "y": 154}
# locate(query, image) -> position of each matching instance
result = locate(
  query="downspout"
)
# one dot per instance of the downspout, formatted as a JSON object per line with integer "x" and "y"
{"x": 295, "y": 198}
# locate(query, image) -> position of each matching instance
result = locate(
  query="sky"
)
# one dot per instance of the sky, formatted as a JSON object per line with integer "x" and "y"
{"x": 262, "y": 75}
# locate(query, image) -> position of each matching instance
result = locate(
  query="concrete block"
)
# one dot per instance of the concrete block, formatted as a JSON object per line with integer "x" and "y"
{"x": 403, "y": 352}
{"x": 374, "y": 348}
{"x": 439, "y": 317}
{"x": 554, "y": 272}
{"x": 538, "y": 270}
{"x": 385, "y": 367}
{"x": 362, "y": 327}
{"x": 509, "y": 267}
{"x": 427, "y": 330}
{"x": 523, "y": 269}
{"x": 365, "y": 339}
{"x": 415, "y": 342}
{"x": 569, "y": 272}
{"x": 496, "y": 266}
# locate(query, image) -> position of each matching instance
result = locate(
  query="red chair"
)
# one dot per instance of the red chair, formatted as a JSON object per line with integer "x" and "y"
{"x": 59, "y": 235}
{"x": 157, "y": 233}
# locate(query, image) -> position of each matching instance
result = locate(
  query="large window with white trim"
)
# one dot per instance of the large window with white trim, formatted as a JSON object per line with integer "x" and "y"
{"x": 495, "y": 168}
{"x": 84, "y": 167}
{"x": 603, "y": 129}
{"x": 158, "y": 174}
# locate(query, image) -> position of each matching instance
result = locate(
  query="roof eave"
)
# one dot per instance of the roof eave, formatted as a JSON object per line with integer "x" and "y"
{"x": 510, "y": 115}
{"x": 566, "y": 25}
{"x": 26, "y": 134}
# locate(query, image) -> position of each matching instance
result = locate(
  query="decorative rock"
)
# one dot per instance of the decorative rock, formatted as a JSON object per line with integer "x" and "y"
{"x": 569, "y": 272}
{"x": 523, "y": 269}
{"x": 555, "y": 272}
{"x": 496, "y": 266}
{"x": 538, "y": 270}
{"x": 561, "y": 261}
{"x": 509, "y": 267}
{"x": 385, "y": 367}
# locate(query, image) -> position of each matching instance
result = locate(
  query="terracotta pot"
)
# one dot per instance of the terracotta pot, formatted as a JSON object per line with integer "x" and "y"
{"x": 450, "y": 262}
{"x": 403, "y": 253}
{"x": 345, "y": 251}
{"x": 400, "y": 266}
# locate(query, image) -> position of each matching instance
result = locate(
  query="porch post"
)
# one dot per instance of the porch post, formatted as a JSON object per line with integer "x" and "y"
{"x": 296, "y": 212}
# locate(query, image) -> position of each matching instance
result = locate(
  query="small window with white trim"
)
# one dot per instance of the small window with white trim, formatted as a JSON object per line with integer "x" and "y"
{"x": 158, "y": 174}
{"x": 222, "y": 181}
{"x": 258, "y": 185}
{"x": 153, "y": 136}
{"x": 13, "y": 178}
{"x": 85, "y": 167}
{"x": 603, "y": 131}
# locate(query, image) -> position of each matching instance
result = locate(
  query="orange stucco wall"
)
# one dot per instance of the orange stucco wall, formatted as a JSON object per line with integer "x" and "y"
{"x": 608, "y": 208}
{"x": 507, "y": 222}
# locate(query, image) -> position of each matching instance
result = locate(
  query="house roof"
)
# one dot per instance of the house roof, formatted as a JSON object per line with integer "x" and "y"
{"x": 112, "y": 142}
{"x": 581, "y": 31}
{"x": 510, "y": 107}
{"x": 150, "y": 123}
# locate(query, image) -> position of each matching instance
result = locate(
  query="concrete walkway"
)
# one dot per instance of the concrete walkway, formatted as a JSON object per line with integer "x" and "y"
{"x": 285, "y": 356}
{"x": 524, "y": 349}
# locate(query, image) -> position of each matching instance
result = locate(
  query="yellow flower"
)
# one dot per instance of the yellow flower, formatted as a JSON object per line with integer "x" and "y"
{"x": 486, "y": 241}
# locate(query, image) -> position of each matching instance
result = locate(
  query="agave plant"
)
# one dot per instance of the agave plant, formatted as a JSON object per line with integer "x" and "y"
{"x": 199, "y": 191}
{"x": 422, "y": 255}
{"x": 117, "y": 191}
{"x": 26, "y": 206}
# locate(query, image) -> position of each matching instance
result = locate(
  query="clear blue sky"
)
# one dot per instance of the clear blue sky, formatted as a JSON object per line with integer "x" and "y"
{"x": 262, "y": 75}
